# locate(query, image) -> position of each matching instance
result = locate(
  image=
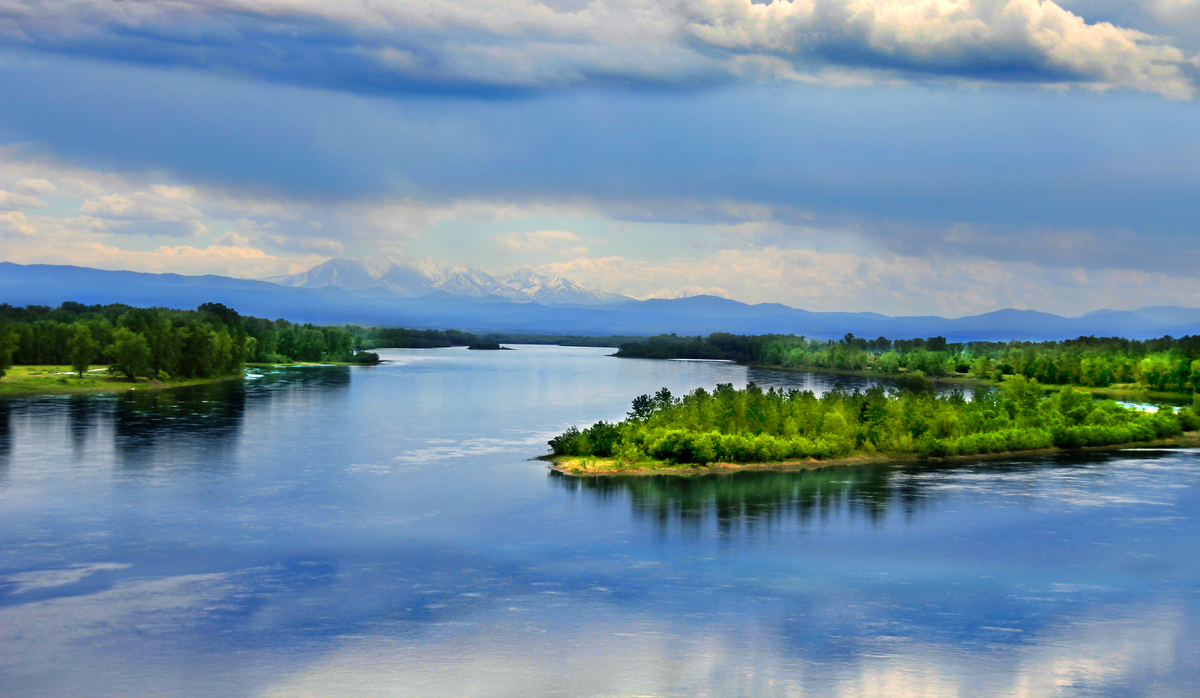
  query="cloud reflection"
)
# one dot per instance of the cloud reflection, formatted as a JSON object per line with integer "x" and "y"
{"x": 610, "y": 651}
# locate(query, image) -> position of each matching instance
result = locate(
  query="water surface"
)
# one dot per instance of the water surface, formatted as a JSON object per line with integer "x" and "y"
{"x": 378, "y": 531}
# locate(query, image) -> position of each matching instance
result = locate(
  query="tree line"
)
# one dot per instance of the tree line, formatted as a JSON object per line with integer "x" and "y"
{"x": 165, "y": 343}
{"x": 1167, "y": 364}
{"x": 753, "y": 425}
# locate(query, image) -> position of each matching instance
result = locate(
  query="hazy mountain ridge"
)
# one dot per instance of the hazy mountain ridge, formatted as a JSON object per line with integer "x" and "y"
{"x": 51, "y": 285}
{"x": 426, "y": 275}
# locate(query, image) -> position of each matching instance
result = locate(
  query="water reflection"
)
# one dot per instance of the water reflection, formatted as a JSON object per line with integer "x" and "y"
{"x": 201, "y": 426}
{"x": 83, "y": 414}
{"x": 747, "y": 500}
{"x": 304, "y": 533}
{"x": 5, "y": 435}
{"x": 821, "y": 382}
{"x": 179, "y": 427}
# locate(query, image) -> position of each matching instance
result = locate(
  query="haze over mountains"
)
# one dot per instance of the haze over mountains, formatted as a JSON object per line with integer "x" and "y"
{"x": 426, "y": 276}
{"x": 367, "y": 300}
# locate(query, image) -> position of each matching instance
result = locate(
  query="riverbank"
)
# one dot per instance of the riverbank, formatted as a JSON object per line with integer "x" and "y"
{"x": 1119, "y": 392}
{"x": 28, "y": 381}
{"x": 589, "y": 466}
{"x": 958, "y": 379}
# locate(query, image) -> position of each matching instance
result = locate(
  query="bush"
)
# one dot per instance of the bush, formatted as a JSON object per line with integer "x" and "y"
{"x": 567, "y": 443}
{"x": 604, "y": 438}
{"x": 915, "y": 382}
{"x": 362, "y": 357}
{"x": 684, "y": 446}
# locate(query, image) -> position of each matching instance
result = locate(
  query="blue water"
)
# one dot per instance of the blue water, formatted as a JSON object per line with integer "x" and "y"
{"x": 382, "y": 531}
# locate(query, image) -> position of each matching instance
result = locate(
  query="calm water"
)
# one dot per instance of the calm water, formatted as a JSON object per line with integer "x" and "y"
{"x": 380, "y": 531}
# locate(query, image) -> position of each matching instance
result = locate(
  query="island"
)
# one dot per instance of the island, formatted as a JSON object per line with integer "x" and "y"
{"x": 752, "y": 428}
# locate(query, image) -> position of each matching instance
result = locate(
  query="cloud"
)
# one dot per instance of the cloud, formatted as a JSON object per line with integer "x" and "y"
{"x": 987, "y": 40}
{"x": 229, "y": 260}
{"x": 687, "y": 292}
{"x": 668, "y": 247}
{"x": 36, "y": 186}
{"x": 10, "y": 201}
{"x": 482, "y": 48}
{"x": 882, "y": 282}
{"x": 15, "y": 223}
{"x": 540, "y": 242}
{"x": 157, "y": 203}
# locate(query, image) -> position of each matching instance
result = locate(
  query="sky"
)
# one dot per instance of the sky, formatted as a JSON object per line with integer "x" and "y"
{"x": 944, "y": 157}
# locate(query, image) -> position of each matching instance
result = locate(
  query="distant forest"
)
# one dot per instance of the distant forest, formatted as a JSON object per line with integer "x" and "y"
{"x": 1167, "y": 364}
{"x": 212, "y": 340}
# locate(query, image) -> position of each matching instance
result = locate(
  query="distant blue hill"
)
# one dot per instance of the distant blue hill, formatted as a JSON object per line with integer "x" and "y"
{"x": 51, "y": 285}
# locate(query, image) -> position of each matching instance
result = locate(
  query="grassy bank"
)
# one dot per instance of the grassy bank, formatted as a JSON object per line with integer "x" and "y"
{"x": 588, "y": 466}
{"x": 25, "y": 381}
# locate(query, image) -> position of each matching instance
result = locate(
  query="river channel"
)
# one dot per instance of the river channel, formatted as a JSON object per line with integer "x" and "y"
{"x": 383, "y": 531}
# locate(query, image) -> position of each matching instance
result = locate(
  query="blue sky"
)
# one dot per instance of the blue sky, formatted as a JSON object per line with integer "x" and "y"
{"x": 899, "y": 156}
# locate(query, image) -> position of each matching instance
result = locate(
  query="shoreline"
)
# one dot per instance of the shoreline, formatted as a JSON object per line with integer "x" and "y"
{"x": 965, "y": 381}
{"x": 37, "y": 381}
{"x": 592, "y": 466}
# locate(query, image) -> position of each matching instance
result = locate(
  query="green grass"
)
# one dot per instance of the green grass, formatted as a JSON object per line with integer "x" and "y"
{"x": 22, "y": 381}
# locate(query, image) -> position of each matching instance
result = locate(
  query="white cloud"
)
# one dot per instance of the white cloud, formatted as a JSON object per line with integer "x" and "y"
{"x": 15, "y": 223}
{"x": 687, "y": 292}
{"x": 36, "y": 186}
{"x": 529, "y": 44}
{"x": 540, "y": 242}
{"x": 761, "y": 254}
{"x": 970, "y": 38}
{"x": 10, "y": 201}
{"x": 884, "y": 282}
{"x": 157, "y": 203}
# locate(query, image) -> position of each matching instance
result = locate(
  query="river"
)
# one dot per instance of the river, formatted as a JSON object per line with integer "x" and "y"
{"x": 382, "y": 531}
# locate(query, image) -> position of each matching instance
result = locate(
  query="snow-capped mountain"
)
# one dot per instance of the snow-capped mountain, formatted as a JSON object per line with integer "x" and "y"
{"x": 426, "y": 275}
{"x": 546, "y": 289}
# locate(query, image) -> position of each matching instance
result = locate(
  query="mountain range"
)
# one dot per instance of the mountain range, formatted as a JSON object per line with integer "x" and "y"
{"x": 373, "y": 304}
{"x": 426, "y": 276}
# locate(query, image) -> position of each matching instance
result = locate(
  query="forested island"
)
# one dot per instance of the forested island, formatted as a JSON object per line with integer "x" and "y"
{"x": 1166, "y": 368}
{"x": 730, "y": 428}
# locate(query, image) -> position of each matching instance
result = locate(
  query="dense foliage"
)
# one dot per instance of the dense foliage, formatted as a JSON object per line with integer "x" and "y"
{"x": 161, "y": 343}
{"x": 211, "y": 340}
{"x": 485, "y": 345}
{"x": 1166, "y": 364}
{"x": 753, "y": 425}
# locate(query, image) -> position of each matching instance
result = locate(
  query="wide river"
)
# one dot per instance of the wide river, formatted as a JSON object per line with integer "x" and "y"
{"x": 382, "y": 531}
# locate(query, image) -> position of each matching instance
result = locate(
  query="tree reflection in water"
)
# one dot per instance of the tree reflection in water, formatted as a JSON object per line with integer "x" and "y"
{"x": 5, "y": 436}
{"x": 200, "y": 426}
{"x": 746, "y": 501}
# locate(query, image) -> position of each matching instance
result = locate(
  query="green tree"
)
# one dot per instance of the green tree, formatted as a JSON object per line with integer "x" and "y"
{"x": 130, "y": 352}
{"x": 83, "y": 349}
{"x": 8, "y": 344}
